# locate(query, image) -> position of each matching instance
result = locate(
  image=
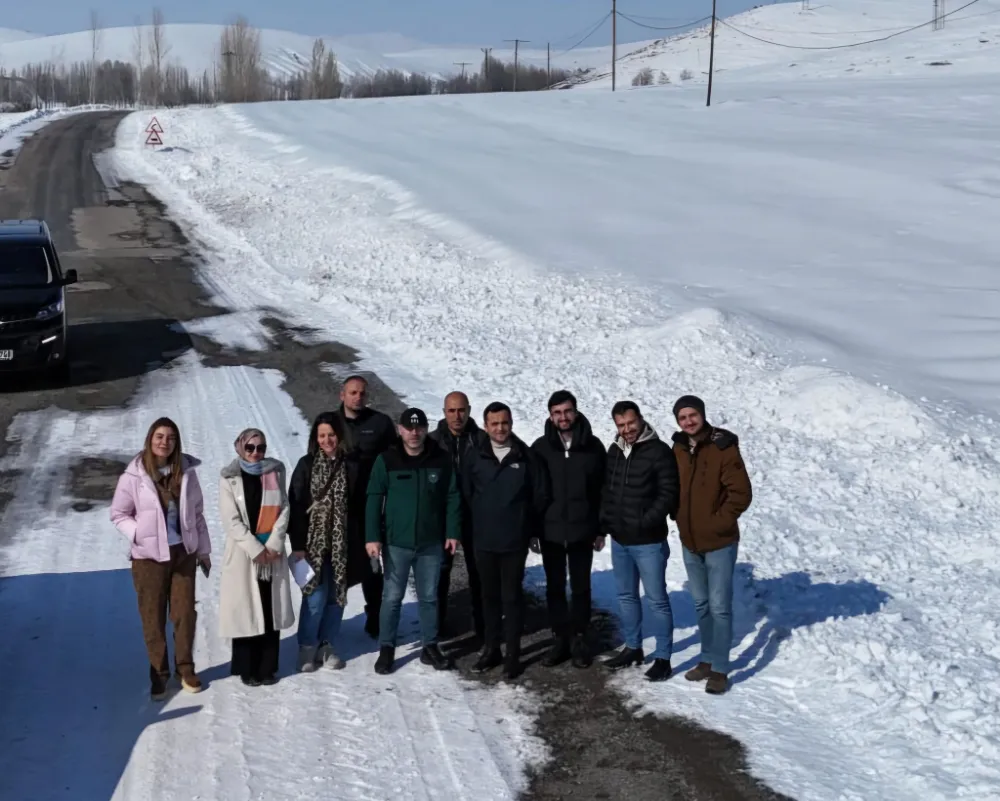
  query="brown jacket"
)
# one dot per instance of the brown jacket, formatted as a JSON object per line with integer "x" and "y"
{"x": 715, "y": 490}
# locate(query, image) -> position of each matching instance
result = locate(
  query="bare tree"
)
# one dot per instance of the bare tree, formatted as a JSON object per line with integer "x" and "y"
{"x": 139, "y": 55}
{"x": 243, "y": 78}
{"x": 643, "y": 77}
{"x": 95, "y": 49}
{"x": 331, "y": 84}
{"x": 316, "y": 68}
{"x": 158, "y": 50}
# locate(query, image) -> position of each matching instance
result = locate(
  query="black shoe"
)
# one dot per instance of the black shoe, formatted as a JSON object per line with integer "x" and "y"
{"x": 626, "y": 657}
{"x": 157, "y": 686}
{"x": 488, "y": 659}
{"x": 558, "y": 653}
{"x": 371, "y": 621}
{"x": 512, "y": 666}
{"x": 267, "y": 681}
{"x": 250, "y": 681}
{"x": 431, "y": 655}
{"x": 386, "y": 656}
{"x": 660, "y": 671}
{"x": 581, "y": 652}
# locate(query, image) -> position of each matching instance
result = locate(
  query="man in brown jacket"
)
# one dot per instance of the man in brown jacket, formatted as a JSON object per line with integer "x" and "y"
{"x": 715, "y": 491}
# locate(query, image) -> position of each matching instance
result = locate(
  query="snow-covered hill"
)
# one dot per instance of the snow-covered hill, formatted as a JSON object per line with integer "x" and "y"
{"x": 969, "y": 43}
{"x": 285, "y": 53}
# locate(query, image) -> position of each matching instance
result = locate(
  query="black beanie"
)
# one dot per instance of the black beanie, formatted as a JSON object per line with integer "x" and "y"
{"x": 689, "y": 402}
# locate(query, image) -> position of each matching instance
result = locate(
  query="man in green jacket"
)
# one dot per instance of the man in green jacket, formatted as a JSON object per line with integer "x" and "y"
{"x": 413, "y": 511}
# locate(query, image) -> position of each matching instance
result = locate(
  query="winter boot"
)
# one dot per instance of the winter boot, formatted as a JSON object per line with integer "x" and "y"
{"x": 431, "y": 655}
{"x": 581, "y": 652}
{"x": 512, "y": 666}
{"x": 489, "y": 658}
{"x": 189, "y": 680}
{"x": 328, "y": 658}
{"x": 386, "y": 657}
{"x": 157, "y": 686}
{"x": 307, "y": 658}
{"x": 717, "y": 683}
{"x": 250, "y": 681}
{"x": 699, "y": 672}
{"x": 626, "y": 657}
{"x": 558, "y": 653}
{"x": 660, "y": 671}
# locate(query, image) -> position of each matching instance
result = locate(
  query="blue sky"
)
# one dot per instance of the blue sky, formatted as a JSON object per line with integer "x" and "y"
{"x": 473, "y": 22}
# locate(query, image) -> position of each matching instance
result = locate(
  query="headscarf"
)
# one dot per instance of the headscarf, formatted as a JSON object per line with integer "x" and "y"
{"x": 253, "y": 468}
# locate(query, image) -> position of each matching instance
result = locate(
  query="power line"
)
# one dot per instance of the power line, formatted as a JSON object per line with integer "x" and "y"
{"x": 862, "y": 32}
{"x": 851, "y": 44}
{"x": 659, "y": 28}
{"x": 587, "y": 37}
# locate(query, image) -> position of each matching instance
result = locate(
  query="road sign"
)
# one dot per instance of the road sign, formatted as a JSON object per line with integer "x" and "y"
{"x": 154, "y": 126}
{"x": 154, "y": 139}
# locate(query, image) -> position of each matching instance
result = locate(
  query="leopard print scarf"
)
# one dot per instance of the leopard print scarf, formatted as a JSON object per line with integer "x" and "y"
{"x": 327, "y": 532}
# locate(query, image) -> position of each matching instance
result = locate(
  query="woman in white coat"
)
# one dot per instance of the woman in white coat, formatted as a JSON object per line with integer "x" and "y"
{"x": 255, "y": 600}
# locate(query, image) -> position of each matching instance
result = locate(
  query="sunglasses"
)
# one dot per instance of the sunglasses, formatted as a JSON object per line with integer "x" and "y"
{"x": 251, "y": 448}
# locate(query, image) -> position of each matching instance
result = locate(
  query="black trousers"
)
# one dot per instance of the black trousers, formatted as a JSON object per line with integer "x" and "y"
{"x": 502, "y": 578}
{"x": 579, "y": 558}
{"x": 257, "y": 657}
{"x": 475, "y": 587}
{"x": 372, "y": 586}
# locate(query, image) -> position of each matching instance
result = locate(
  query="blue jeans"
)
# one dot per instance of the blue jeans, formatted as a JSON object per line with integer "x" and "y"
{"x": 426, "y": 565}
{"x": 320, "y": 616}
{"x": 710, "y": 579}
{"x": 632, "y": 563}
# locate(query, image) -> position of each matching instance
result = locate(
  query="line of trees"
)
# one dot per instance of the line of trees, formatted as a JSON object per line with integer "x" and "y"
{"x": 238, "y": 75}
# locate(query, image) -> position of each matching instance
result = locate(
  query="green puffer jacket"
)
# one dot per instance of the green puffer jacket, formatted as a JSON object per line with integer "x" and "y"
{"x": 413, "y": 501}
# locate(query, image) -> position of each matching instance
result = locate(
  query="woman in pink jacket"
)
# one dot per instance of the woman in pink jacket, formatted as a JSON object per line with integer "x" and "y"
{"x": 158, "y": 506}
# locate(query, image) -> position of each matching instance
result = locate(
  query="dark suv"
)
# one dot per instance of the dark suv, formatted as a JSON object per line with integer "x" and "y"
{"x": 33, "y": 333}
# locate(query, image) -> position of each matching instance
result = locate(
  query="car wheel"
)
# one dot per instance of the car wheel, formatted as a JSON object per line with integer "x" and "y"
{"x": 61, "y": 374}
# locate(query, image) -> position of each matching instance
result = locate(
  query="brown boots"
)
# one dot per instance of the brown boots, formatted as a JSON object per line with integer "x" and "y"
{"x": 715, "y": 683}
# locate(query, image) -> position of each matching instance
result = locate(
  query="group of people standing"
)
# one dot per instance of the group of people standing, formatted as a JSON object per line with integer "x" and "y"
{"x": 372, "y": 502}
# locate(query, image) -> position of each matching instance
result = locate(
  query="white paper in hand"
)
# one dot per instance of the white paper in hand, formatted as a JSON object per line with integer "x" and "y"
{"x": 302, "y": 571}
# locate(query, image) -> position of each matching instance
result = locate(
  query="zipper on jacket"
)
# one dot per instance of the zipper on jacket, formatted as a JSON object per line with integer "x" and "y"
{"x": 694, "y": 465}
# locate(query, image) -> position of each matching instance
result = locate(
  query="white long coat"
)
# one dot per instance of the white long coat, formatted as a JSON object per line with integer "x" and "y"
{"x": 240, "y": 610}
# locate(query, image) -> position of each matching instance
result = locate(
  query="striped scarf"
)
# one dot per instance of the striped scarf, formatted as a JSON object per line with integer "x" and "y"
{"x": 270, "y": 510}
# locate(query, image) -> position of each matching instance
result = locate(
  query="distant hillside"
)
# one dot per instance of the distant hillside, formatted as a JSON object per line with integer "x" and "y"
{"x": 195, "y": 47}
{"x": 793, "y": 38}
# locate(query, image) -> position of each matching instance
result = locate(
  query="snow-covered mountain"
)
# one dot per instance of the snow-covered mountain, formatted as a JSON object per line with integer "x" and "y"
{"x": 195, "y": 46}
{"x": 786, "y": 41}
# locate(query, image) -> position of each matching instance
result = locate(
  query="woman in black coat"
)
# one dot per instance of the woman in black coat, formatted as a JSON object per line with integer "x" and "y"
{"x": 326, "y": 531}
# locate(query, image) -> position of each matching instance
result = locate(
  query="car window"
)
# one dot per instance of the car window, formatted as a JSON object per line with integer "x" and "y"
{"x": 24, "y": 264}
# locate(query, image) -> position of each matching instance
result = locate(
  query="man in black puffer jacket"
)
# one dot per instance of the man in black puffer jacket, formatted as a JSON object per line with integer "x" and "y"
{"x": 575, "y": 459}
{"x": 506, "y": 487}
{"x": 642, "y": 488}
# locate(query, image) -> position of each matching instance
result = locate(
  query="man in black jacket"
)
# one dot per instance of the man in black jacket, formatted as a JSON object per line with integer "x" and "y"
{"x": 641, "y": 490}
{"x": 458, "y": 434}
{"x": 505, "y": 485}
{"x": 575, "y": 459}
{"x": 370, "y": 433}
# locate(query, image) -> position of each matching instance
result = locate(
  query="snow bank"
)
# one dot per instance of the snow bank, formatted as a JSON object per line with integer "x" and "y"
{"x": 638, "y": 247}
{"x": 67, "y": 590}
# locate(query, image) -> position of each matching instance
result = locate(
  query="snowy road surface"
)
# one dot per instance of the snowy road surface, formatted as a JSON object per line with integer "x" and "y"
{"x": 639, "y": 246}
{"x": 76, "y": 721}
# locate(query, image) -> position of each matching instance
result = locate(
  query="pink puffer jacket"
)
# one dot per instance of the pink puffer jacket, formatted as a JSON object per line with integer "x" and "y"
{"x": 137, "y": 513}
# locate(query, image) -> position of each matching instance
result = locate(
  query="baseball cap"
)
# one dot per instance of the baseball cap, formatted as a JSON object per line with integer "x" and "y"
{"x": 413, "y": 418}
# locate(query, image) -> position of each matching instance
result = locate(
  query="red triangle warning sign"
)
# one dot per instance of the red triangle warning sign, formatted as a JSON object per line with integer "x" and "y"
{"x": 154, "y": 139}
{"x": 154, "y": 126}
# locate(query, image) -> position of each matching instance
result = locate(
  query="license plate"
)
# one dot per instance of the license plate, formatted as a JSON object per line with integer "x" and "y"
{"x": 6, "y": 355}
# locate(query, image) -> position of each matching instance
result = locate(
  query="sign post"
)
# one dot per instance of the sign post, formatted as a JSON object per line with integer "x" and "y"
{"x": 153, "y": 131}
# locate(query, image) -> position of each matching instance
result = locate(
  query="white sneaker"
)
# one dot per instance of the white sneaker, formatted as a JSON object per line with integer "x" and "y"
{"x": 307, "y": 659}
{"x": 328, "y": 658}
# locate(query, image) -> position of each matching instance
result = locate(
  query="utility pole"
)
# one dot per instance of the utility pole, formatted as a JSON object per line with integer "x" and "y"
{"x": 548, "y": 65}
{"x": 939, "y": 14}
{"x": 711, "y": 57}
{"x": 463, "y": 65}
{"x": 516, "y": 43}
{"x": 486, "y": 65}
{"x": 614, "y": 42}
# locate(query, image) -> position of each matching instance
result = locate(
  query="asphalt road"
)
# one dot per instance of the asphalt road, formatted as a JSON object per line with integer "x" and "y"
{"x": 137, "y": 278}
